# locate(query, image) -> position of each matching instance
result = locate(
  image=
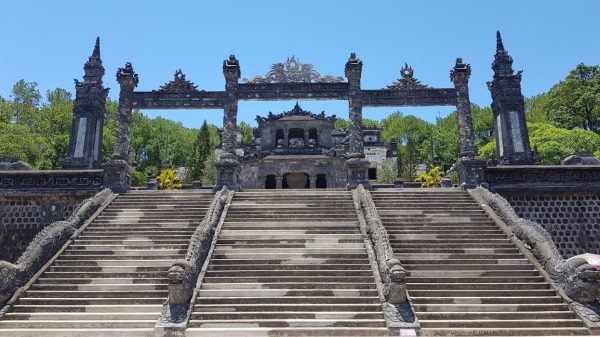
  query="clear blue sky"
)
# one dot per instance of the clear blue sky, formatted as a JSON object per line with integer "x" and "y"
{"x": 49, "y": 41}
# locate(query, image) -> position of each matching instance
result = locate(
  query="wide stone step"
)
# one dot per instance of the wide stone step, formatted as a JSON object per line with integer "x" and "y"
{"x": 509, "y": 279}
{"x": 496, "y": 315}
{"x": 118, "y": 251}
{"x": 138, "y": 242}
{"x": 112, "y": 256}
{"x": 251, "y": 265}
{"x": 507, "y": 331}
{"x": 479, "y": 286}
{"x": 362, "y": 315}
{"x": 443, "y": 250}
{"x": 480, "y": 292}
{"x": 305, "y": 272}
{"x": 501, "y": 323}
{"x": 84, "y": 316}
{"x": 99, "y": 287}
{"x": 288, "y": 300}
{"x": 112, "y": 272}
{"x": 468, "y": 267}
{"x": 252, "y": 331}
{"x": 283, "y": 244}
{"x": 85, "y": 301}
{"x": 273, "y": 308}
{"x": 287, "y": 323}
{"x": 315, "y": 250}
{"x": 280, "y": 285}
{"x": 121, "y": 308}
{"x": 504, "y": 304}
{"x": 97, "y": 281}
{"x": 292, "y": 260}
{"x": 116, "y": 263}
{"x": 75, "y": 324}
{"x": 96, "y": 294}
{"x": 284, "y": 279}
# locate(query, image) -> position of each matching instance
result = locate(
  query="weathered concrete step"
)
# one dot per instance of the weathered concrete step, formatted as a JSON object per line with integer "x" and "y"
{"x": 86, "y": 301}
{"x": 103, "y": 280}
{"x": 497, "y": 315}
{"x": 260, "y": 231}
{"x": 444, "y": 257}
{"x": 115, "y": 263}
{"x": 108, "y": 294}
{"x": 112, "y": 222}
{"x": 480, "y": 292}
{"x": 299, "y": 259}
{"x": 286, "y": 292}
{"x": 313, "y": 250}
{"x": 122, "y": 308}
{"x": 275, "y": 308}
{"x": 288, "y": 315}
{"x": 479, "y": 286}
{"x": 442, "y": 250}
{"x": 318, "y": 221}
{"x": 570, "y": 331}
{"x": 471, "y": 305}
{"x": 97, "y": 257}
{"x": 252, "y": 265}
{"x": 284, "y": 279}
{"x": 469, "y": 267}
{"x": 141, "y": 227}
{"x": 126, "y": 210}
{"x": 287, "y": 323}
{"x": 100, "y": 287}
{"x": 284, "y": 244}
{"x": 446, "y": 237}
{"x": 469, "y": 244}
{"x": 443, "y": 232}
{"x": 84, "y": 316}
{"x": 77, "y": 324}
{"x": 120, "y": 250}
{"x": 482, "y": 303}
{"x": 287, "y": 300}
{"x": 289, "y": 285}
{"x": 472, "y": 273}
{"x": 412, "y": 279}
{"x": 281, "y": 236}
{"x": 462, "y": 260}
{"x": 142, "y": 242}
{"x": 247, "y": 331}
{"x": 315, "y": 229}
{"x": 531, "y": 322}
{"x": 115, "y": 272}
{"x": 138, "y": 232}
{"x": 299, "y": 272}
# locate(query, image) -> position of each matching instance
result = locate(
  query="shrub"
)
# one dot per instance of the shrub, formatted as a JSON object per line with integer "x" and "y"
{"x": 431, "y": 178}
{"x": 168, "y": 180}
{"x": 139, "y": 179}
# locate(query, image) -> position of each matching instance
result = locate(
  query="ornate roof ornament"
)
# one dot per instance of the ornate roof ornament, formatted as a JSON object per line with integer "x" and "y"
{"x": 407, "y": 81}
{"x": 179, "y": 84}
{"x": 296, "y": 111}
{"x": 293, "y": 71}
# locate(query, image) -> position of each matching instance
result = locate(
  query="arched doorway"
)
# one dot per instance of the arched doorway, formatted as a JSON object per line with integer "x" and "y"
{"x": 321, "y": 181}
{"x": 296, "y": 180}
{"x": 270, "y": 182}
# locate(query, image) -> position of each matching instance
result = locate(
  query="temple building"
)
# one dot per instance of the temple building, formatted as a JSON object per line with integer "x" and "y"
{"x": 300, "y": 149}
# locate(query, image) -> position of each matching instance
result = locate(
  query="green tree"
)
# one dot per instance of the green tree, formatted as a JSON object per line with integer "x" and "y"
{"x": 209, "y": 175}
{"x": 247, "y": 132}
{"x": 25, "y": 103}
{"x": 202, "y": 149}
{"x": 575, "y": 102}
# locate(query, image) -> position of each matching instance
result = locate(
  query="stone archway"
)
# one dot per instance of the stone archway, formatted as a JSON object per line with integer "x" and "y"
{"x": 297, "y": 180}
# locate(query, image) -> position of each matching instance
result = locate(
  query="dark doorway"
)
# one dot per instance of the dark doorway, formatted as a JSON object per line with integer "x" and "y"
{"x": 296, "y": 180}
{"x": 312, "y": 137}
{"x": 321, "y": 181}
{"x": 279, "y": 138}
{"x": 270, "y": 183}
{"x": 372, "y": 173}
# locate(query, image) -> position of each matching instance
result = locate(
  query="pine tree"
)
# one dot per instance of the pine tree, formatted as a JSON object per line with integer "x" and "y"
{"x": 202, "y": 150}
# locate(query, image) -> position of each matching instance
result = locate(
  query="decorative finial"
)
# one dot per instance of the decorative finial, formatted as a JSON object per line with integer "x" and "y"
{"x": 96, "y": 52}
{"x": 499, "y": 44}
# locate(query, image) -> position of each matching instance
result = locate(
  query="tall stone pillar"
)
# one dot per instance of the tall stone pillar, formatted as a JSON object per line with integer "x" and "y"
{"x": 508, "y": 105}
{"x": 469, "y": 166}
{"x": 278, "y": 182}
{"x": 460, "y": 77}
{"x": 85, "y": 144}
{"x": 117, "y": 171}
{"x": 356, "y": 164}
{"x": 228, "y": 164}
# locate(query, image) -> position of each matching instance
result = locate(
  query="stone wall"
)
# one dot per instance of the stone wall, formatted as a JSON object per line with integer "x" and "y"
{"x": 22, "y": 217}
{"x": 573, "y": 219}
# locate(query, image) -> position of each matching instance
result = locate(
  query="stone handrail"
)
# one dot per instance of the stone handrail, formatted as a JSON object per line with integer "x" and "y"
{"x": 391, "y": 271}
{"x": 183, "y": 274}
{"x": 571, "y": 276}
{"x": 45, "y": 245}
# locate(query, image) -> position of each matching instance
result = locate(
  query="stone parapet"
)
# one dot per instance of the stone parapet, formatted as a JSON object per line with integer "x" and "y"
{"x": 50, "y": 180}
{"x": 543, "y": 178}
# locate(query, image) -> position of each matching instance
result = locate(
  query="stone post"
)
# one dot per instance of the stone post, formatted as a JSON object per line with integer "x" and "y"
{"x": 470, "y": 167}
{"x": 460, "y": 77}
{"x": 278, "y": 182}
{"x": 305, "y": 138}
{"x": 117, "y": 171}
{"x": 356, "y": 164}
{"x": 228, "y": 164}
{"x": 313, "y": 181}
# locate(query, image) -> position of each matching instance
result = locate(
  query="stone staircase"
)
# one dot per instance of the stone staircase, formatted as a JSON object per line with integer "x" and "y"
{"x": 467, "y": 278}
{"x": 112, "y": 278}
{"x": 289, "y": 263}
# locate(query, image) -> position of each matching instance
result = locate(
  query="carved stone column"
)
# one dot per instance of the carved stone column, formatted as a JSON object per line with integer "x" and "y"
{"x": 117, "y": 171}
{"x": 305, "y": 138}
{"x": 469, "y": 166}
{"x": 313, "y": 181}
{"x": 85, "y": 144}
{"x": 508, "y": 105}
{"x": 356, "y": 164}
{"x": 228, "y": 164}
{"x": 278, "y": 182}
{"x": 460, "y": 77}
